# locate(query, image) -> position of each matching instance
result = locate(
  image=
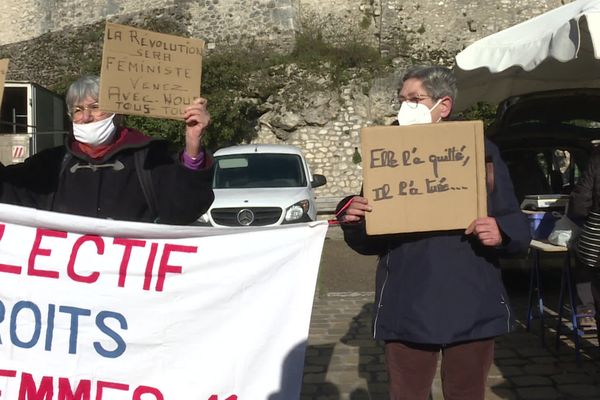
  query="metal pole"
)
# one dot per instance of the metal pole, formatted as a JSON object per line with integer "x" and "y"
{"x": 14, "y": 117}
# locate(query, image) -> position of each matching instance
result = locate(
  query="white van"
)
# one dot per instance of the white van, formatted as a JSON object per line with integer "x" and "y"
{"x": 262, "y": 185}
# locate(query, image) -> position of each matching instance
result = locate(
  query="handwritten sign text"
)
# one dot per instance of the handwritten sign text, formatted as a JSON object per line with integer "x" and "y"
{"x": 423, "y": 177}
{"x": 148, "y": 73}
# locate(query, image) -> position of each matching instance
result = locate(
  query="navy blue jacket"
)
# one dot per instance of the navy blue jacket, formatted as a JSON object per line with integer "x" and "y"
{"x": 445, "y": 287}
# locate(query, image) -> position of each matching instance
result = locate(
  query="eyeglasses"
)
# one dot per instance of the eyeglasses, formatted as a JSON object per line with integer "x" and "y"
{"x": 78, "y": 111}
{"x": 413, "y": 102}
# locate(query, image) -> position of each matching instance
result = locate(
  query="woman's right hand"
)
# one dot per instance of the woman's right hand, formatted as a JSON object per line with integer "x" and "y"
{"x": 197, "y": 119}
{"x": 357, "y": 209}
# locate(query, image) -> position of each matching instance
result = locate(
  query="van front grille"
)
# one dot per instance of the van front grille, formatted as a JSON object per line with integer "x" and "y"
{"x": 262, "y": 216}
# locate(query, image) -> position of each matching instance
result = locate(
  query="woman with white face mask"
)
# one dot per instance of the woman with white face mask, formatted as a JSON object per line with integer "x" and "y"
{"x": 440, "y": 294}
{"x": 418, "y": 106}
{"x": 108, "y": 171}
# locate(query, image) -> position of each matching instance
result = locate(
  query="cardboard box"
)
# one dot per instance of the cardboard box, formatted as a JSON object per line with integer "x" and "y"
{"x": 148, "y": 73}
{"x": 426, "y": 177}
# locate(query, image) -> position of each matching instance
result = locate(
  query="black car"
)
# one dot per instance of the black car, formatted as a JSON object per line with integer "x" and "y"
{"x": 546, "y": 138}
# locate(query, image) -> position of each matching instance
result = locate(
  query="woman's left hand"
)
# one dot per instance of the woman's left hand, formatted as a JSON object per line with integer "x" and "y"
{"x": 197, "y": 119}
{"x": 487, "y": 231}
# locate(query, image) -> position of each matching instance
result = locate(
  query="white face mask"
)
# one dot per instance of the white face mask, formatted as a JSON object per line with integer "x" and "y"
{"x": 417, "y": 115}
{"x": 95, "y": 133}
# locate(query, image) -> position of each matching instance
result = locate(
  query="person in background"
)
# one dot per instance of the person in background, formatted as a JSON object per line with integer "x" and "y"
{"x": 440, "y": 292}
{"x": 584, "y": 210}
{"x": 113, "y": 172}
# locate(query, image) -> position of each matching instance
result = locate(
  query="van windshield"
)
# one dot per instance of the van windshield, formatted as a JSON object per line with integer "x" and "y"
{"x": 258, "y": 170}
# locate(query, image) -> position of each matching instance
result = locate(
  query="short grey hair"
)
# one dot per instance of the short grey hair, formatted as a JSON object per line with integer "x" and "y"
{"x": 436, "y": 80}
{"x": 87, "y": 85}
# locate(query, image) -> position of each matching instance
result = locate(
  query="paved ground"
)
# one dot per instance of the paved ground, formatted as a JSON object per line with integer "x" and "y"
{"x": 344, "y": 362}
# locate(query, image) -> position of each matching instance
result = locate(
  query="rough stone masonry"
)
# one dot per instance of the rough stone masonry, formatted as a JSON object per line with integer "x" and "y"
{"x": 327, "y": 129}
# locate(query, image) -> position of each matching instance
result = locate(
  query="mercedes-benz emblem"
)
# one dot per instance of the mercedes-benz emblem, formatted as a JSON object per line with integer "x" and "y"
{"x": 245, "y": 217}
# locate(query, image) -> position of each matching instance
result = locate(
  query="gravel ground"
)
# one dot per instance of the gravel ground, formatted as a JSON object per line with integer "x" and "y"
{"x": 342, "y": 269}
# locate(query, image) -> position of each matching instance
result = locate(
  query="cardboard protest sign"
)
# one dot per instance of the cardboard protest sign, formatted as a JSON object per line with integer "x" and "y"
{"x": 148, "y": 73}
{"x": 3, "y": 72}
{"x": 426, "y": 177}
{"x": 114, "y": 310}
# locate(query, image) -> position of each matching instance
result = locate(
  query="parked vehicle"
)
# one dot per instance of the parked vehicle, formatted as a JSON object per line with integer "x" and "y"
{"x": 32, "y": 119}
{"x": 262, "y": 185}
{"x": 546, "y": 138}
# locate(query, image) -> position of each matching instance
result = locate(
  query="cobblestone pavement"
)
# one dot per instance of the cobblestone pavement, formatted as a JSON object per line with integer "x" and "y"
{"x": 343, "y": 361}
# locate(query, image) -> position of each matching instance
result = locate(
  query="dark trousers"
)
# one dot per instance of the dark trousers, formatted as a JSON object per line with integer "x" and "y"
{"x": 595, "y": 278}
{"x": 411, "y": 368}
{"x": 583, "y": 273}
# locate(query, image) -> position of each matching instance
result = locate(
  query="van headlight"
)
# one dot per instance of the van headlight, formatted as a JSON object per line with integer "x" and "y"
{"x": 297, "y": 213}
{"x": 203, "y": 220}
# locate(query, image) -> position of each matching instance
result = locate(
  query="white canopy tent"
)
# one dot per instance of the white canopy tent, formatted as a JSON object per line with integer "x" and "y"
{"x": 559, "y": 49}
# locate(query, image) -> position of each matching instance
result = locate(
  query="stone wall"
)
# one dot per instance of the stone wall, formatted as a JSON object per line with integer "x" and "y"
{"x": 218, "y": 22}
{"x": 340, "y": 19}
{"x": 410, "y": 30}
{"x": 396, "y": 26}
{"x": 328, "y": 128}
{"x": 22, "y": 20}
{"x": 416, "y": 27}
{"x": 233, "y": 22}
{"x": 48, "y": 40}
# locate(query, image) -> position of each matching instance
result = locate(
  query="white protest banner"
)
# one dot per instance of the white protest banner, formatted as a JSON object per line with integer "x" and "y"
{"x": 113, "y": 310}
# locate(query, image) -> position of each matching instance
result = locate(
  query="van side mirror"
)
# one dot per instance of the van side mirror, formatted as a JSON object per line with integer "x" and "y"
{"x": 318, "y": 180}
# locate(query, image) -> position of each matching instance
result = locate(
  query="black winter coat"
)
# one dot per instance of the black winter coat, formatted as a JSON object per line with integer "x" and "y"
{"x": 445, "y": 287}
{"x": 109, "y": 187}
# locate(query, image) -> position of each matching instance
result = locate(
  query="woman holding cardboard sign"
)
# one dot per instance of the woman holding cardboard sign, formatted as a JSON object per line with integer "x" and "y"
{"x": 113, "y": 172}
{"x": 440, "y": 292}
